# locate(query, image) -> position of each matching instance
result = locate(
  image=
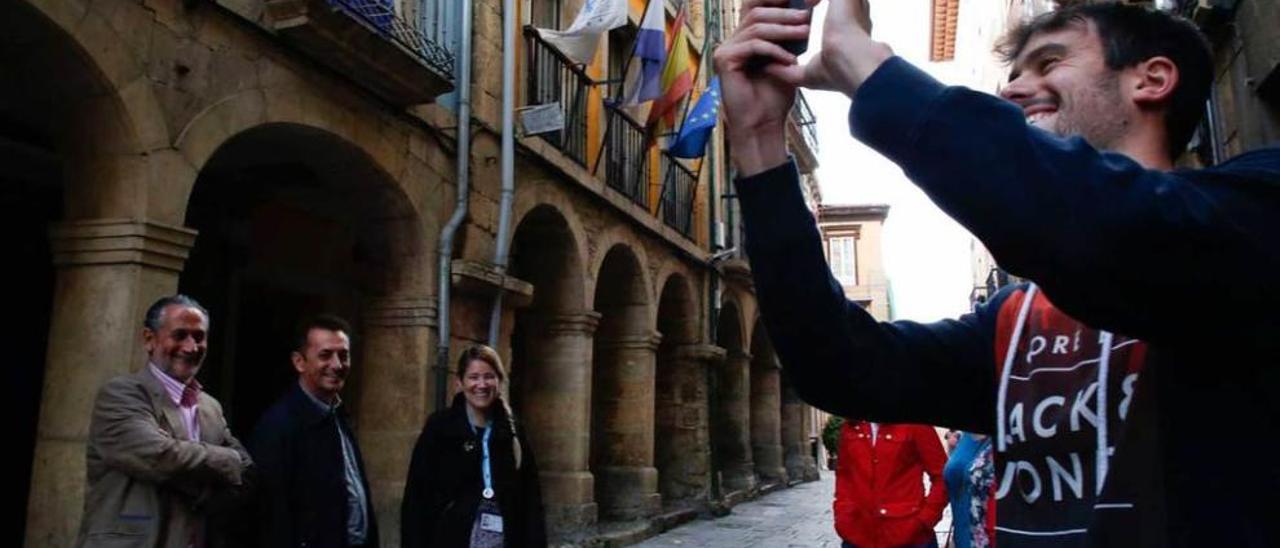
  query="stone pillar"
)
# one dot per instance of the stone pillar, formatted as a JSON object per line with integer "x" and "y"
{"x": 109, "y": 272}
{"x": 734, "y": 424}
{"x": 396, "y": 395}
{"x": 794, "y": 442}
{"x": 683, "y": 444}
{"x": 766, "y": 420}
{"x": 627, "y": 482}
{"x": 811, "y": 439}
{"x": 557, "y": 415}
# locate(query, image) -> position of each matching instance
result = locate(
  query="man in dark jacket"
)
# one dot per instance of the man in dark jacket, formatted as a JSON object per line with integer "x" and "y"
{"x": 314, "y": 491}
{"x": 1070, "y": 184}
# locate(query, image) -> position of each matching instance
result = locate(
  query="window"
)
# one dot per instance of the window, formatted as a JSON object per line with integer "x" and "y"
{"x": 844, "y": 260}
{"x": 545, "y": 14}
{"x": 621, "y": 45}
{"x": 439, "y": 22}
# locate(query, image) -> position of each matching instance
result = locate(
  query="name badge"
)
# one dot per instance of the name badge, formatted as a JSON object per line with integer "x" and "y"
{"x": 491, "y": 522}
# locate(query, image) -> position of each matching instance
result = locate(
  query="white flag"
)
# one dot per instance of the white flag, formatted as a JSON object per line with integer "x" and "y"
{"x": 579, "y": 41}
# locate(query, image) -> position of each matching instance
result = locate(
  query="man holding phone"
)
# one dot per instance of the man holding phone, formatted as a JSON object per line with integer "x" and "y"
{"x": 1069, "y": 182}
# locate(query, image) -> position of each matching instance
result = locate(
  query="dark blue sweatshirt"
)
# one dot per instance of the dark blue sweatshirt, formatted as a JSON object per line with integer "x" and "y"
{"x": 1188, "y": 261}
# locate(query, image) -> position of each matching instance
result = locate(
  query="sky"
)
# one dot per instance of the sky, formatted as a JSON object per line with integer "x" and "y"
{"x": 926, "y": 254}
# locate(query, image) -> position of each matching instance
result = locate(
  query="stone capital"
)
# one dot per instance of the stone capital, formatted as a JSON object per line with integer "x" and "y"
{"x": 581, "y": 323}
{"x": 646, "y": 341}
{"x": 401, "y": 312}
{"x": 700, "y": 352}
{"x": 121, "y": 241}
{"x": 737, "y": 355}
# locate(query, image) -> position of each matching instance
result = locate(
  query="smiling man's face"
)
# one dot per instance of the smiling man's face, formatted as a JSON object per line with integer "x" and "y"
{"x": 1061, "y": 81}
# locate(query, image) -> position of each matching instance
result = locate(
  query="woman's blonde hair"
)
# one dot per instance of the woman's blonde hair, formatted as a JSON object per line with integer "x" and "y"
{"x": 486, "y": 354}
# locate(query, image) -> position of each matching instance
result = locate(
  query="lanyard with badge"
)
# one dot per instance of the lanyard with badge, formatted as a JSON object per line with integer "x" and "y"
{"x": 487, "y": 531}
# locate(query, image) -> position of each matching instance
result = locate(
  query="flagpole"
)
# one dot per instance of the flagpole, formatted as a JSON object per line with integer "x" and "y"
{"x": 706, "y": 44}
{"x": 608, "y": 125}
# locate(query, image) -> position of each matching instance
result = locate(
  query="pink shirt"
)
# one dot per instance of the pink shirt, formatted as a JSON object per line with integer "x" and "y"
{"x": 175, "y": 389}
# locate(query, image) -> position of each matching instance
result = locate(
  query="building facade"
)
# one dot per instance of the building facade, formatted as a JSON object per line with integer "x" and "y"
{"x": 851, "y": 238}
{"x": 276, "y": 158}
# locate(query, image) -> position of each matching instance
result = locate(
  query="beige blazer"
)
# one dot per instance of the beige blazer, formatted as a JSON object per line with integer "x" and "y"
{"x": 148, "y": 485}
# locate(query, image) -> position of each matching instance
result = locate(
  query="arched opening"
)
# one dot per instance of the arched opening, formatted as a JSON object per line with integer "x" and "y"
{"x": 679, "y": 400}
{"x": 550, "y": 365}
{"x": 626, "y": 484}
{"x": 292, "y": 221}
{"x": 766, "y": 409}
{"x": 730, "y": 417}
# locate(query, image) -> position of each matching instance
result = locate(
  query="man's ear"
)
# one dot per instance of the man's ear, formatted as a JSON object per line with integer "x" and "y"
{"x": 148, "y": 339}
{"x": 1154, "y": 81}
{"x": 298, "y": 361}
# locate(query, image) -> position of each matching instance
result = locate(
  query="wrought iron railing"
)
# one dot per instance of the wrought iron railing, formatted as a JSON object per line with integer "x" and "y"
{"x": 382, "y": 17}
{"x": 802, "y": 115}
{"x": 678, "y": 185}
{"x": 627, "y": 157}
{"x": 554, "y": 78}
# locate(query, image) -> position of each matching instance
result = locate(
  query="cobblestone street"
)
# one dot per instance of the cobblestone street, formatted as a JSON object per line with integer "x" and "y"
{"x": 799, "y": 517}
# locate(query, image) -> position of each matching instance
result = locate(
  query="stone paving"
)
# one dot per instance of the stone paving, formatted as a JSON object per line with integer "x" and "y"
{"x": 795, "y": 517}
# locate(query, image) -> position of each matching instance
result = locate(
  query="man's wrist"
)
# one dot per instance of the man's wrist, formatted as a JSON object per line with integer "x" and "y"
{"x": 759, "y": 151}
{"x": 866, "y": 65}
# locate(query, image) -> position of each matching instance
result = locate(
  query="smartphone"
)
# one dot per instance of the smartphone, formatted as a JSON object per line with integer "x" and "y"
{"x": 796, "y": 47}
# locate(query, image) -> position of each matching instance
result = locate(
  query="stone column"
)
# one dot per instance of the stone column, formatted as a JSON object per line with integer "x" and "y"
{"x": 734, "y": 424}
{"x": 766, "y": 420}
{"x": 809, "y": 436}
{"x": 627, "y": 481}
{"x": 794, "y": 442}
{"x": 396, "y": 395}
{"x": 557, "y": 415}
{"x": 109, "y": 272}
{"x": 683, "y": 446}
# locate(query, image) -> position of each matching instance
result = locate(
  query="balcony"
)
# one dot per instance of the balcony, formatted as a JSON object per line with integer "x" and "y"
{"x": 802, "y": 134}
{"x": 370, "y": 43}
{"x": 678, "y": 186}
{"x": 553, "y": 78}
{"x": 630, "y": 165}
{"x": 627, "y": 165}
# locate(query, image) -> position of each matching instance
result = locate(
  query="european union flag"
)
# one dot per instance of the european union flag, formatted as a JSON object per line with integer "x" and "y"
{"x": 691, "y": 142}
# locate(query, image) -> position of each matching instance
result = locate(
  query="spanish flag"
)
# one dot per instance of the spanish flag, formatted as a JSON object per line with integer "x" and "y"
{"x": 677, "y": 75}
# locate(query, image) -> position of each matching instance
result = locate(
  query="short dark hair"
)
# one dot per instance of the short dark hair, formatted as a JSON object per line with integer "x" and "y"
{"x": 328, "y": 322}
{"x": 1132, "y": 34}
{"x": 154, "y": 318}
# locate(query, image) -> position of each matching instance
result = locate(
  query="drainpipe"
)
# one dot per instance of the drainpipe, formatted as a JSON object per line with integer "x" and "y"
{"x": 501, "y": 251}
{"x": 445, "y": 246}
{"x": 713, "y": 320}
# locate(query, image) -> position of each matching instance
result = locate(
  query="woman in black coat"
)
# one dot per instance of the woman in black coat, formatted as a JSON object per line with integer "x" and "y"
{"x": 447, "y": 501}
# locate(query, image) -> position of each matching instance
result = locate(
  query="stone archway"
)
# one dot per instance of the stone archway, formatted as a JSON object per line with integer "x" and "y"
{"x": 294, "y": 221}
{"x": 766, "y": 406}
{"x": 626, "y": 483}
{"x": 680, "y": 407}
{"x": 731, "y": 397}
{"x": 551, "y": 347}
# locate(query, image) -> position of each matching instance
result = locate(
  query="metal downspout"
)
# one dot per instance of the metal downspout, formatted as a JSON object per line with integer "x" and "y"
{"x": 445, "y": 247}
{"x": 502, "y": 248}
